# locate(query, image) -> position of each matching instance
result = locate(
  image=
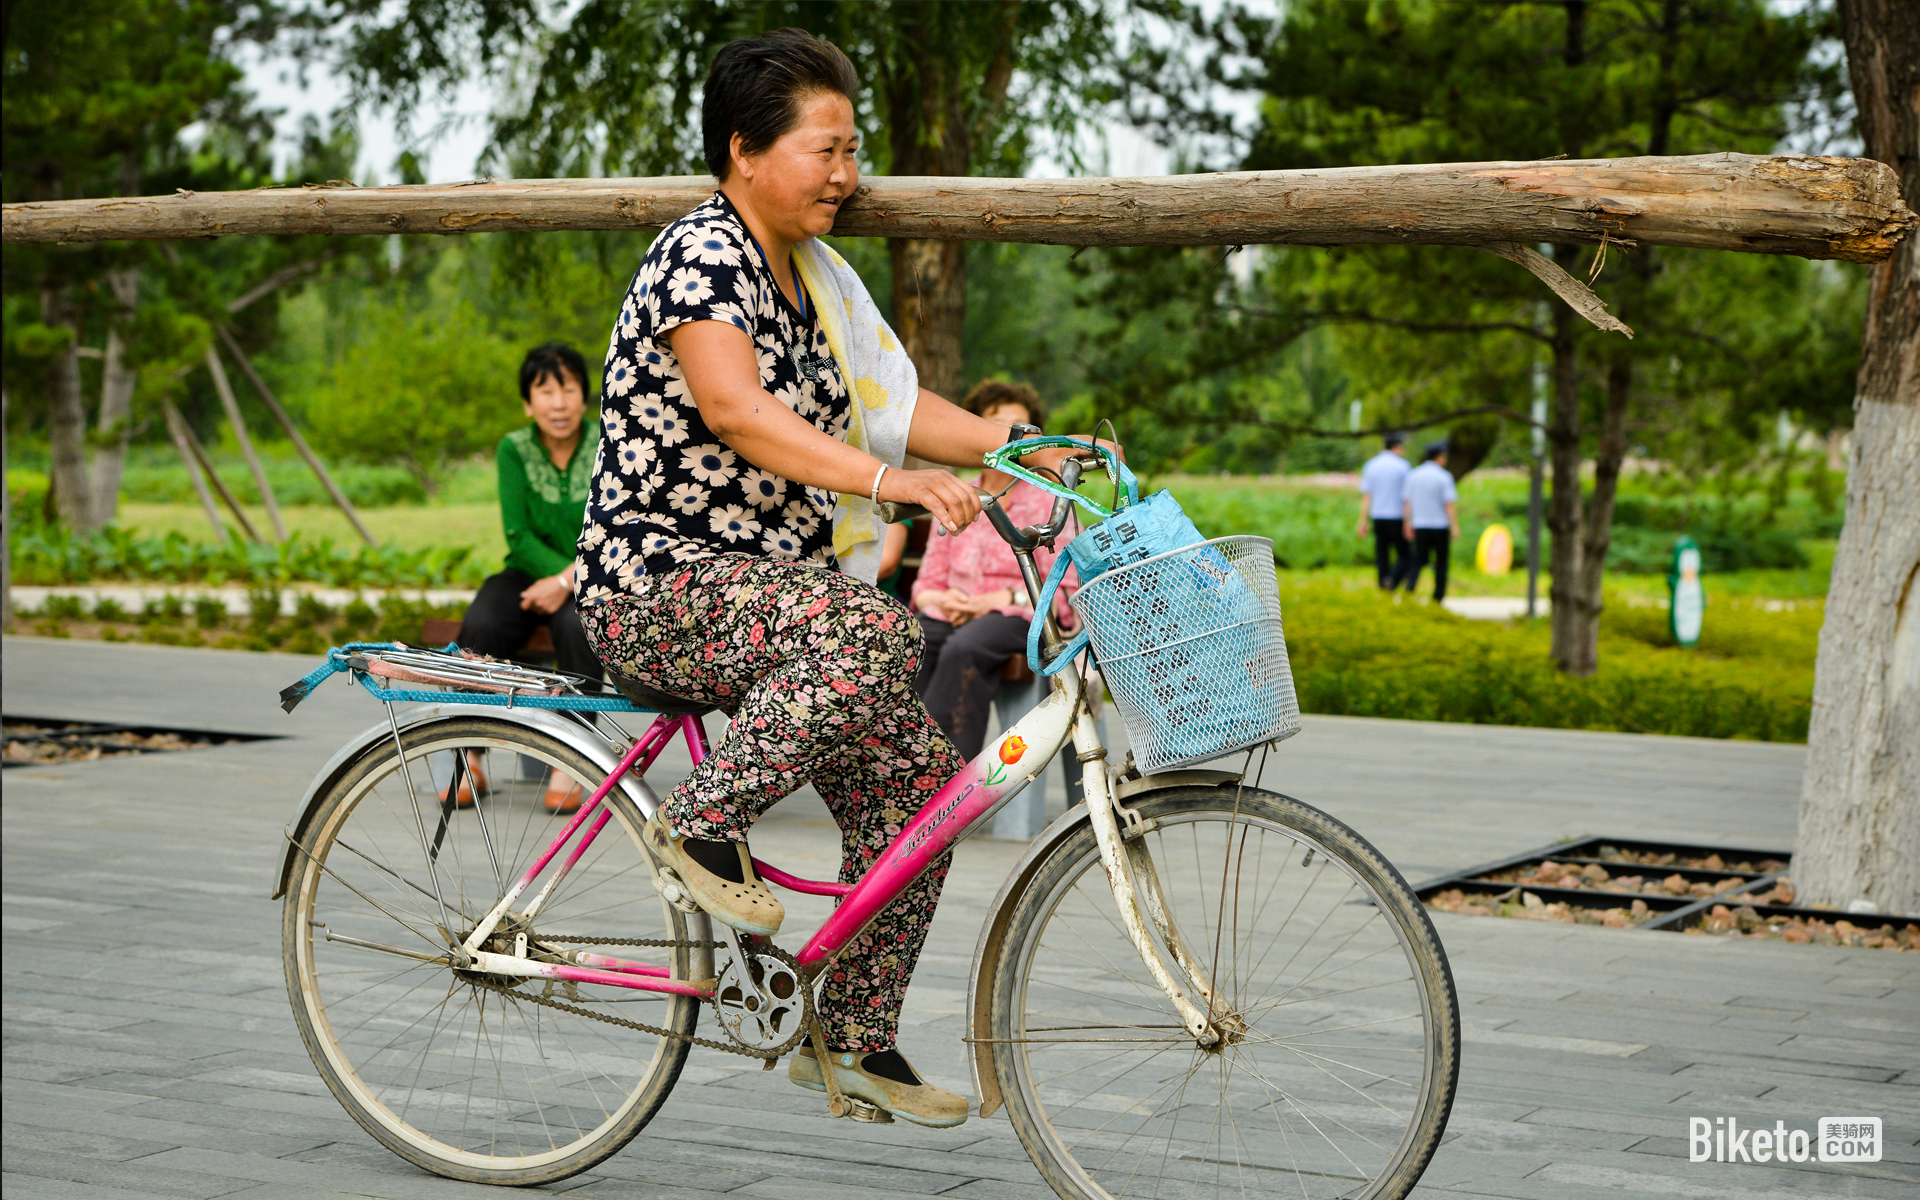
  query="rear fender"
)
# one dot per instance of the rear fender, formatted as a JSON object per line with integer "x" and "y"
{"x": 597, "y": 750}
{"x": 993, "y": 933}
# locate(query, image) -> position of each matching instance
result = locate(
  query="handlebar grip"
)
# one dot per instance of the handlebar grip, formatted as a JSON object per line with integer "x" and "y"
{"x": 893, "y": 513}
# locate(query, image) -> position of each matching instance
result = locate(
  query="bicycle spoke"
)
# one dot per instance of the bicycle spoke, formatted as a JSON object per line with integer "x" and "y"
{"x": 1302, "y": 1095}
{"x": 441, "y": 1064}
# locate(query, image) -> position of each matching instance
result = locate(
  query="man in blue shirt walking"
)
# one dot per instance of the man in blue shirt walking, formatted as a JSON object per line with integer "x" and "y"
{"x": 1382, "y": 511}
{"x": 1431, "y": 520}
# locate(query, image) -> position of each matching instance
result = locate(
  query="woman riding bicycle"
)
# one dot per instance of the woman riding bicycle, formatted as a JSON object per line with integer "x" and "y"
{"x": 709, "y": 542}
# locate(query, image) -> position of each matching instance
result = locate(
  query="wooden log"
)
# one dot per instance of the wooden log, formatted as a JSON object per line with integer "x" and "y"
{"x": 299, "y": 443}
{"x": 225, "y": 389}
{"x": 187, "y": 444}
{"x": 1815, "y": 207}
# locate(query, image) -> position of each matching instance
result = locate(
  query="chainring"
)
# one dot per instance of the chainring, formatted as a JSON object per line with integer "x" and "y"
{"x": 776, "y": 963}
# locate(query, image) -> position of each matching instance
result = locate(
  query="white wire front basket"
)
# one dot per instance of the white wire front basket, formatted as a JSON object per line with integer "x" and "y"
{"x": 1191, "y": 646}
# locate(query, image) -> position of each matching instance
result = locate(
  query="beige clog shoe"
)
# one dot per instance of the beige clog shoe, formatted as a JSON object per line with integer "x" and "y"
{"x": 922, "y": 1103}
{"x": 747, "y": 906}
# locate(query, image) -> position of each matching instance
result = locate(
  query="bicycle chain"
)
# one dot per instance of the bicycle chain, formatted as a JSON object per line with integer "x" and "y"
{"x": 769, "y": 950}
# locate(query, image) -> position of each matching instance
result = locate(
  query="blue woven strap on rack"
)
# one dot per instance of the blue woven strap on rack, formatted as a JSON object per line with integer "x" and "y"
{"x": 337, "y": 661}
{"x": 563, "y": 703}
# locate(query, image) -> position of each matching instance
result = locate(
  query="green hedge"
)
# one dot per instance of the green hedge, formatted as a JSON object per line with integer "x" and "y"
{"x": 1357, "y": 653}
{"x": 51, "y": 554}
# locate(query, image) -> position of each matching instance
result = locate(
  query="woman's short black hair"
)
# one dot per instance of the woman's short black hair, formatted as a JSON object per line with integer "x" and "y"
{"x": 547, "y": 362}
{"x": 756, "y": 86}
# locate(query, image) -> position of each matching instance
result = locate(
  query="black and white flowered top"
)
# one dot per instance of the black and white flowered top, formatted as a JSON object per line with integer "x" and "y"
{"x": 665, "y": 489}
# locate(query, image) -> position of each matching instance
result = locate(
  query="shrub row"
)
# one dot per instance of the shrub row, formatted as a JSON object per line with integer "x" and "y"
{"x": 204, "y": 621}
{"x": 54, "y": 555}
{"x": 1357, "y": 653}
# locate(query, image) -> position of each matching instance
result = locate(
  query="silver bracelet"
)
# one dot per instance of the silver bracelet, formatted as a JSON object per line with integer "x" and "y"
{"x": 876, "y": 482}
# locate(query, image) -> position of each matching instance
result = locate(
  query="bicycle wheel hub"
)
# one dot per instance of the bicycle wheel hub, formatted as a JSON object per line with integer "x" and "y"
{"x": 511, "y": 936}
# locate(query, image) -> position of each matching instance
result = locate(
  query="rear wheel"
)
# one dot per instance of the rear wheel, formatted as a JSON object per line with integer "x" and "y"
{"x": 464, "y": 1079}
{"x": 1339, "y": 1033}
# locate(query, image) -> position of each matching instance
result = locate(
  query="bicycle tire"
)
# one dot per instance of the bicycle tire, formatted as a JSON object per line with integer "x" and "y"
{"x": 1291, "y": 1117}
{"x": 397, "y": 1049}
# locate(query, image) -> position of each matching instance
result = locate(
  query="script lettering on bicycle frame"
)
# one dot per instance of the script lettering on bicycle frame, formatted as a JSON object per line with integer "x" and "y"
{"x": 939, "y": 818}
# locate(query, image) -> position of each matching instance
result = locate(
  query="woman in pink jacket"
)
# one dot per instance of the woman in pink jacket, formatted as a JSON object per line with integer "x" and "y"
{"x": 969, "y": 596}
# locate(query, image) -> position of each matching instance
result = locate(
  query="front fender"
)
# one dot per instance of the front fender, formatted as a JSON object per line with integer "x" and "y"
{"x": 993, "y": 932}
{"x": 600, "y": 752}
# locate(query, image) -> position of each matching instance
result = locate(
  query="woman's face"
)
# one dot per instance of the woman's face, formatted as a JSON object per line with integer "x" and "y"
{"x": 797, "y": 184}
{"x": 555, "y": 403}
{"x": 1009, "y": 414}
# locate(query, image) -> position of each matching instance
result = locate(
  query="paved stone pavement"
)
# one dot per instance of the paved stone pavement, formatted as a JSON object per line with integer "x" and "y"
{"x": 149, "y": 1049}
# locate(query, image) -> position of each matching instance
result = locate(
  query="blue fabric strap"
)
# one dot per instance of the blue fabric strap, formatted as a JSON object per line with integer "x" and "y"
{"x": 337, "y": 660}
{"x": 1039, "y": 622}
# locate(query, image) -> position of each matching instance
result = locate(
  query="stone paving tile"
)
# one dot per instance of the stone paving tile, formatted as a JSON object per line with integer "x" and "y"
{"x": 16, "y": 1185}
{"x": 38, "y": 1137}
{"x": 627, "y": 1189}
{"x": 1585, "y": 1051}
{"x": 144, "y": 1175}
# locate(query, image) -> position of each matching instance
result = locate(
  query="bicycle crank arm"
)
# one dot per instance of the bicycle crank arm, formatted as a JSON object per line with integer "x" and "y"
{"x": 1113, "y": 857}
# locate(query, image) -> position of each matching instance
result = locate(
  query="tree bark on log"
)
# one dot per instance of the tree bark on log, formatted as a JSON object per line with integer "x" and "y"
{"x": 1860, "y": 798}
{"x": 1780, "y": 204}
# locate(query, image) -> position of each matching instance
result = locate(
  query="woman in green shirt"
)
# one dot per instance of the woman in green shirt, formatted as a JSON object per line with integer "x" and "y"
{"x": 546, "y": 468}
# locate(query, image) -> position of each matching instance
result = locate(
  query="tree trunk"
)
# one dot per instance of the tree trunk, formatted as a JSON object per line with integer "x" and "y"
{"x": 1860, "y": 798}
{"x": 1564, "y": 515}
{"x": 67, "y": 417}
{"x": 6, "y": 531}
{"x": 934, "y": 117}
{"x": 114, "y": 428}
{"x": 1596, "y": 532}
{"x": 1782, "y": 204}
{"x": 930, "y": 309}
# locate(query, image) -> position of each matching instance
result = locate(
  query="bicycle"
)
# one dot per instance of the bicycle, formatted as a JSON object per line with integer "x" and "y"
{"x": 1187, "y": 986}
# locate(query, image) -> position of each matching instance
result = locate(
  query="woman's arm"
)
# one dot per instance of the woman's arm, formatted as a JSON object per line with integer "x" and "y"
{"x": 943, "y": 432}
{"x": 724, "y": 377}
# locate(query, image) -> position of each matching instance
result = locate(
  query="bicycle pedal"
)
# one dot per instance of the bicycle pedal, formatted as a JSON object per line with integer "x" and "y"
{"x": 673, "y": 891}
{"x": 872, "y": 1114}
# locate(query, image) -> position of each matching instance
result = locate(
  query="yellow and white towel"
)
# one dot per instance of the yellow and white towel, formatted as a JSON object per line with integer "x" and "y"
{"x": 884, "y": 389}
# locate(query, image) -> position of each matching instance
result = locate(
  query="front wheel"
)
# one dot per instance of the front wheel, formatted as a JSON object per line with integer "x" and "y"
{"x": 1340, "y": 1036}
{"x": 467, "y": 1075}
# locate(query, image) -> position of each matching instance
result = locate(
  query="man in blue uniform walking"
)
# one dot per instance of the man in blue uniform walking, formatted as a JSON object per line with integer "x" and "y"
{"x": 1431, "y": 520}
{"x": 1382, "y": 492}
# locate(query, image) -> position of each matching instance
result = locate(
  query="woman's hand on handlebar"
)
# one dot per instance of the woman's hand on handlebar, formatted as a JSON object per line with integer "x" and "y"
{"x": 951, "y": 500}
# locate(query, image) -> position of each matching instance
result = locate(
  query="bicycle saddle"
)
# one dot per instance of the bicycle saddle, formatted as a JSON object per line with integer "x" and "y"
{"x": 657, "y": 701}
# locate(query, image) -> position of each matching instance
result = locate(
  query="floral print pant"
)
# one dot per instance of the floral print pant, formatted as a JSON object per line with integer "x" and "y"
{"x": 816, "y": 669}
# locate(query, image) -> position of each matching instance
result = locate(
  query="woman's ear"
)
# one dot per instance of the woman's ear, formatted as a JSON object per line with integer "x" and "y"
{"x": 742, "y": 162}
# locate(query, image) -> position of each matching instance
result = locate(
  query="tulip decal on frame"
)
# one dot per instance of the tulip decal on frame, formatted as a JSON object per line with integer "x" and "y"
{"x": 1010, "y": 752}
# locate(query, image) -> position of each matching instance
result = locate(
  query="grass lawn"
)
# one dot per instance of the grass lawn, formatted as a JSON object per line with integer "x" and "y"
{"x": 408, "y": 526}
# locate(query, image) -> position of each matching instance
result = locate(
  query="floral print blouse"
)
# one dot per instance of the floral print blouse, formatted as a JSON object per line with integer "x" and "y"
{"x": 665, "y": 489}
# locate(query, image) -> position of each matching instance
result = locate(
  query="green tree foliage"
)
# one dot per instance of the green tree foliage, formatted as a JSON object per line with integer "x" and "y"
{"x": 1437, "y": 335}
{"x": 950, "y": 89}
{"x": 100, "y": 99}
{"x": 419, "y": 389}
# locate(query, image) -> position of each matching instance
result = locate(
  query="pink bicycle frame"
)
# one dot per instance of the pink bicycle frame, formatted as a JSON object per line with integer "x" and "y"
{"x": 1016, "y": 757}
